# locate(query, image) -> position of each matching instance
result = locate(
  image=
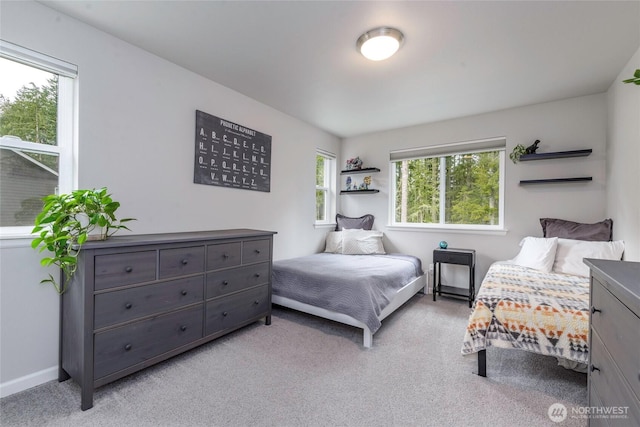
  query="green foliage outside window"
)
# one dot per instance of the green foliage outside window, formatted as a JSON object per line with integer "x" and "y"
{"x": 321, "y": 194}
{"x": 471, "y": 189}
{"x": 32, "y": 116}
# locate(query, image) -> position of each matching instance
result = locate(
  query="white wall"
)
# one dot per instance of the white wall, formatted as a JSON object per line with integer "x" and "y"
{"x": 136, "y": 131}
{"x": 623, "y": 157}
{"x": 563, "y": 125}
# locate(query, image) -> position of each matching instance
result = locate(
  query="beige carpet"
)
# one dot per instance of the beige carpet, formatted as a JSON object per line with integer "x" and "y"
{"x": 306, "y": 371}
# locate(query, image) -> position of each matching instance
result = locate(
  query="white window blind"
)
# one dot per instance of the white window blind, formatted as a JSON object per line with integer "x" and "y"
{"x": 489, "y": 144}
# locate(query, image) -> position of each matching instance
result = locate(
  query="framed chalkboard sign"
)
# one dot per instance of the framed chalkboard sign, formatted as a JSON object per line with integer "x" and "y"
{"x": 231, "y": 155}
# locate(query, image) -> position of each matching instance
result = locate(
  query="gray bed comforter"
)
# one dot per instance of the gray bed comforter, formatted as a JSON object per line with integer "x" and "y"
{"x": 360, "y": 286}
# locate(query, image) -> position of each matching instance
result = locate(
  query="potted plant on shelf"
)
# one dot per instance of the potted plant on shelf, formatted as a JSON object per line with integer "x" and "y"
{"x": 67, "y": 221}
{"x": 517, "y": 152}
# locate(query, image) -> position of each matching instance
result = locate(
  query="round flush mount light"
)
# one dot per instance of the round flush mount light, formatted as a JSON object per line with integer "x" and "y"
{"x": 380, "y": 43}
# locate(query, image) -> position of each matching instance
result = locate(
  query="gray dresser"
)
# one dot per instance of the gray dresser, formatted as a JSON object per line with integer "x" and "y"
{"x": 614, "y": 356}
{"x": 138, "y": 300}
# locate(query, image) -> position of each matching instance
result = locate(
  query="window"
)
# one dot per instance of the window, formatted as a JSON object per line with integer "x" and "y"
{"x": 36, "y": 156}
{"x": 453, "y": 186}
{"x": 325, "y": 187}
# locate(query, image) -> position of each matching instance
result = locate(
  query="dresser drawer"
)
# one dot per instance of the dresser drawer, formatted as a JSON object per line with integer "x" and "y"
{"x": 223, "y": 255}
{"x": 120, "y": 348}
{"x": 234, "y": 310}
{"x": 181, "y": 261}
{"x": 228, "y": 281}
{"x": 256, "y": 251}
{"x": 120, "y": 306}
{"x": 453, "y": 257}
{"x": 617, "y": 327}
{"x": 124, "y": 269}
{"x": 610, "y": 388}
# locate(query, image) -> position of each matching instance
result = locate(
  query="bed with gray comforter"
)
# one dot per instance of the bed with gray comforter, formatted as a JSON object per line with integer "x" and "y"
{"x": 365, "y": 288}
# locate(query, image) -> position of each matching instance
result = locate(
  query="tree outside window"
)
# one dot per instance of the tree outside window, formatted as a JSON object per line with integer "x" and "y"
{"x": 325, "y": 191}
{"x": 457, "y": 189}
{"x": 31, "y": 166}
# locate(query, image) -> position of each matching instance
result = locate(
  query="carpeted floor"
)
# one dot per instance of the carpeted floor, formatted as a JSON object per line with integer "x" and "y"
{"x": 306, "y": 371}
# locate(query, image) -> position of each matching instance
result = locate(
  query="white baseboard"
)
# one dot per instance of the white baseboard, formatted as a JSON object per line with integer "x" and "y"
{"x": 23, "y": 383}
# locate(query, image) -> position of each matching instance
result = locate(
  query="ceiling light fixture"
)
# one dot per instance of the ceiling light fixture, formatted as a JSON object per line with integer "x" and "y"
{"x": 380, "y": 43}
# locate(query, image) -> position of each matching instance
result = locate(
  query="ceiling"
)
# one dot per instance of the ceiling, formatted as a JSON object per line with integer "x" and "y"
{"x": 459, "y": 58}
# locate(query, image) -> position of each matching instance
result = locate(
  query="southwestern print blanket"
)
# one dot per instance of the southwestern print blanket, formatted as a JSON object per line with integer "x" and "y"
{"x": 519, "y": 307}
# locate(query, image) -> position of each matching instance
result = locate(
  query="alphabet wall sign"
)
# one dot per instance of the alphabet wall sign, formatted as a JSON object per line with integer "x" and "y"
{"x": 231, "y": 155}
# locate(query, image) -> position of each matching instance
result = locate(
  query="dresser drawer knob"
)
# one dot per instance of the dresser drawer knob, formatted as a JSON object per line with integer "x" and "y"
{"x": 256, "y": 302}
{"x": 128, "y": 305}
{"x": 257, "y": 274}
{"x": 225, "y": 255}
{"x": 127, "y": 347}
{"x": 225, "y": 283}
{"x": 595, "y": 310}
{"x": 224, "y": 314}
{"x": 185, "y": 261}
{"x": 128, "y": 269}
{"x": 257, "y": 251}
{"x": 183, "y": 293}
{"x": 593, "y": 368}
{"x": 183, "y": 328}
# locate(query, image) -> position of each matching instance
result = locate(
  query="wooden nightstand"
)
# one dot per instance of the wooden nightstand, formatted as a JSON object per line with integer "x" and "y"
{"x": 454, "y": 256}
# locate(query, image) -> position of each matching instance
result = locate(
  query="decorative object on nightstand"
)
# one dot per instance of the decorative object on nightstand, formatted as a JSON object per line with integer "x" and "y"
{"x": 443, "y": 244}
{"x": 459, "y": 257}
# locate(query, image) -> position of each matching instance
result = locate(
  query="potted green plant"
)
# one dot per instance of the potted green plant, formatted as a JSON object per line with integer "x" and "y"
{"x": 67, "y": 221}
{"x": 518, "y": 151}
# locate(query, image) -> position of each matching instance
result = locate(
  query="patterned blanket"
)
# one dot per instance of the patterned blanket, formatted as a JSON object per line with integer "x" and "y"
{"x": 518, "y": 307}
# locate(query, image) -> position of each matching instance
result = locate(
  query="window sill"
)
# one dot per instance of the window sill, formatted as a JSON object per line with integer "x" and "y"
{"x": 324, "y": 225}
{"x": 495, "y": 231}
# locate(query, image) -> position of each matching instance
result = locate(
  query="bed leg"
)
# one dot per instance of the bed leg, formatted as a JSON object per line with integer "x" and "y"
{"x": 367, "y": 337}
{"x": 482, "y": 363}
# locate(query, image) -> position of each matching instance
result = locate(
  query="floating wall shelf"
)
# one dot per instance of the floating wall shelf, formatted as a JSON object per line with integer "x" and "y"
{"x": 554, "y": 180}
{"x": 364, "y": 170}
{"x": 359, "y": 191}
{"x": 555, "y": 155}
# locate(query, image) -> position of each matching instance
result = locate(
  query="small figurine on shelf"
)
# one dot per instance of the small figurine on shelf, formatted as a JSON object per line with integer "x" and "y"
{"x": 367, "y": 182}
{"x": 354, "y": 163}
{"x": 348, "y": 184}
{"x": 532, "y": 148}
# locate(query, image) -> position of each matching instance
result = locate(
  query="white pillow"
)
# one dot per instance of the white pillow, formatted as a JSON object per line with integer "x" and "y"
{"x": 334, "y": 242}
{"x": 537, "y": 253}
{"x": 362, "y": 242}
{"x": 570, "y": 254}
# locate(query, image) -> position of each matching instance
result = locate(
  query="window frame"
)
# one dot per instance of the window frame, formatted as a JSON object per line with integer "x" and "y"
{"x": 66, "y": 142}
{"x": 441, "y": 152}
{"x": 328, "y": 187}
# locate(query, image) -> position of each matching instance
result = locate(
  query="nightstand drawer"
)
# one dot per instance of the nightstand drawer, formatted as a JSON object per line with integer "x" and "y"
{"x": 223, "y": 255}
{"x": 181, "y": 261}
{"x": 128, "y": 304}
{"x": 236, "y": 279}
{"x": 124, "y": 269}
{"x": 120, "y": 348}
{"x": 461, "y": 258}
